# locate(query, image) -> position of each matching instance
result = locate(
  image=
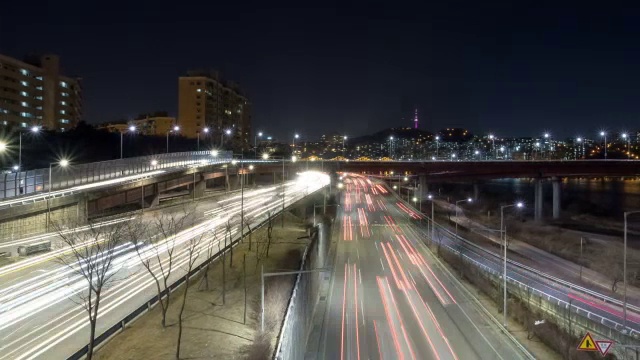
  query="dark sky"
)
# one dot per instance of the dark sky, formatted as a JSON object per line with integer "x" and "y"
{"x": 354, "y": 68}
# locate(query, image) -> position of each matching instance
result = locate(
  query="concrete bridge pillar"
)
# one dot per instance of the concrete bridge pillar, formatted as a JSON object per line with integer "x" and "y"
{"x": 83, "y": 210}
{"x": 556, "y": 186}
{"x": 422, "y": 178}
{"x": 538, "y": 195}
{"x": 198, "y": 188}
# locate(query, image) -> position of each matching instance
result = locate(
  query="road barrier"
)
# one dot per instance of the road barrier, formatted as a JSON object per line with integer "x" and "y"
{"x": 103, "y": 338}
{"x": 37, "y": 181}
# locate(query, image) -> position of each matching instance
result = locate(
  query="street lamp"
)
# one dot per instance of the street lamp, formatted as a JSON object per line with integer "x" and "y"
{"x": 477, "y": 153}
{"x": 34, "y": 129}
{"x": 295, "y": 136}
{"x": 391, "y": 146}
{"x": 131, "y": 129}
{"x": 227, "y": 132}
{"x": 547, "y": 137}
{"x": 624, "y": 271}
{"x": 493, "y": 145}
{"x": 154, "y": 162}
{"x": 206, "y": 131}
{"x": 175, "y": 129}
{"x": 344, "y": 138}
{"x": 504, "y": 266}
{"x": 453, "y": 156}
{"x": 3, "y": 146}
{"x": 604, "y": 134}
{"x": 265, "y": 156}
{"x": 255, "y": 144}
{"x": 457, "y": 202}
{"x": 63, "y": 163}
{"x": 214, "y": 153}
{"x": 437, "y": 146}
{"x": 628, "y": 138}
{"x": 580, "y": 140}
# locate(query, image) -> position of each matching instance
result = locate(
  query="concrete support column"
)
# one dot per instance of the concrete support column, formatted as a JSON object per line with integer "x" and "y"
{"x": 476, "y": 191}
{"x": 556, "y": 183}
{"x": 422, "y": 178}
{"x": 538, "y": 195}
{"x": 82, "y": 210}
{"x": 199, "y": 188}
{"x": 323, "y": 241}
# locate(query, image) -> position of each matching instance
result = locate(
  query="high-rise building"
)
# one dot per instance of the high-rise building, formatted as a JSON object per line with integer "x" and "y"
{"x": 415, "y": 120}
{"x": 205, "y": 100}
{"x": 33, "y": 92}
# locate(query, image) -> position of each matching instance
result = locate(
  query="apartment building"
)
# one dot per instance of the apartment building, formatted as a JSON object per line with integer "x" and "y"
{"x": 34, "y": 92}
{"x": 150, "y": 125}
{"x": 207, "y": 101}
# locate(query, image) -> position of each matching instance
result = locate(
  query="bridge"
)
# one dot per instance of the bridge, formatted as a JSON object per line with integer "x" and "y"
{"x": 31, "y": 198}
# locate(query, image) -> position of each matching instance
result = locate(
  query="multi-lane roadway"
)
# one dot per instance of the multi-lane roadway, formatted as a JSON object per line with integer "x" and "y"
{"x": 390, "y": 299}
{"x": 41, "y": 312}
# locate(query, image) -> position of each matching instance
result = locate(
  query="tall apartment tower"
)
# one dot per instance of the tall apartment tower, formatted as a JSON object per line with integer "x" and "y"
{"x": 33, "y": 92}
{"x": 205, "y": 100}
{"x": 415, "y": 119}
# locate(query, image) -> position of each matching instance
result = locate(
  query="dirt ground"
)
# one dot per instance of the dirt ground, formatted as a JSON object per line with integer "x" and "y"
{"x": 211, "y": 329}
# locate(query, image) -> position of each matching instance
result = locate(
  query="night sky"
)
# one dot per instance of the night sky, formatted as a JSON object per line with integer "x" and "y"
{"x": 354, "y": 68}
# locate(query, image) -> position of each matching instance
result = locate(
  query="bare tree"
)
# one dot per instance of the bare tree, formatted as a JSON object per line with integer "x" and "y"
{"x": 228, "y": 229}
{"x": 156, "y": 251}
{"x": 192, "y": 249}
{"x": 92, "y": 255}
{"x": 211, "y": 240}
{"x": 248, "y": 220}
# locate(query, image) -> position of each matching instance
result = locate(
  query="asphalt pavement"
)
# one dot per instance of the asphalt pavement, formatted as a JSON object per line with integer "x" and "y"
{"x": 391, "y": 299}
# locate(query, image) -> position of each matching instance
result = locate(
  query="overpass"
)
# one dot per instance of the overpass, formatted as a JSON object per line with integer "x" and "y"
{"x": 31, "y": 198}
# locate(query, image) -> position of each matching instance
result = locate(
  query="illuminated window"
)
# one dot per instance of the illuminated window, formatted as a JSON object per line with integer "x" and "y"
{"x": 38, "y": 97}
{"x": 24, "y": 83}
{"x": 24, "y": 104}
{"x": 25, "y": 114}
{"x": 63, "y": 103}
{"x": 64, "y": 121}
{"x": 23, "y": 93}
{"x": 63, "y": 84}
{"x": 24, "y": 72}
{"x": 64, "y": 94}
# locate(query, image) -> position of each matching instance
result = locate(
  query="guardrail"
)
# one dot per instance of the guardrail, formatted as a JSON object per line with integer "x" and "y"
{"x": 37, "y": 181}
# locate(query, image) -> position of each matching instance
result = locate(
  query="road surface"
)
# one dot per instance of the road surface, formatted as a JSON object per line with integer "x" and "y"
{"x": 390, "y": 299}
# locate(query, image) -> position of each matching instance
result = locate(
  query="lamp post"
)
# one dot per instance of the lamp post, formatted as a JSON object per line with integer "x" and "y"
{"x": 604, "y": 134}
{"x": 175, "y": 129}
{"x": 255, "y": 144}
{"x": 624, "y": 271}
{"x": 546, "y": 138}
{"x": 579, "y": 140}
{"x": 206, "y": 131}
{"x": 628, "y": 138}
{"x": 265, "y": 156}
{"x": 35, "y": 130}
{"x": 227, "y": 132}
{"x": 344, "y": 138}
{"x": 477, "y": 154}
{"x": 457, "y": 202}
{"x": 62, "y": 163}
{"x": 493, "y": 145}
{"x": 504, "y": 266}
{"x": 295, "y": 136}
{"x": 131, "y": 129}
{"x": 437, "y": 146}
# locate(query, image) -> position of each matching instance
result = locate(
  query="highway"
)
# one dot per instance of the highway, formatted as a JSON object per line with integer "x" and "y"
{"x": 390, "y": 298}
{"x": 41, "y": 314}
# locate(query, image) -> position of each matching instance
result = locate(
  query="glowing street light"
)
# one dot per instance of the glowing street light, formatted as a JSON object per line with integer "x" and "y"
{"x": 604, "y": 135}
{"x": 255, "y": 144}
{"x": 206, "y": 131}
{"x": 62, "y": 163}
{"x": 628, "y": 138}
{"x": 154, "y": 162}
{"x": 265, "y": 156}
{"x": 250, "y": 167}
{"x": 503, "y": 233}
{"x": 493, "y": 145}
{"x": 457, "y": 202}
{"x": 214, "y": 153}
{"x": 294, "y": 158}
{"x": 175, "y": 129}
{"x": 131, "y": 128}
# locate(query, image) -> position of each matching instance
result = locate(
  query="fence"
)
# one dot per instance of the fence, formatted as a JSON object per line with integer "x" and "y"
{"x": 39, "y": 180}
{"x": 574, "y": 318}
{"x": 299, "y": 315}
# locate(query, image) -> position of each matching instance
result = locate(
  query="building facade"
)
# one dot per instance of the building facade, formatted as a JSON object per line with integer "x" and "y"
{"x": 33, "y": 92}
{"x": 206, "y": 101}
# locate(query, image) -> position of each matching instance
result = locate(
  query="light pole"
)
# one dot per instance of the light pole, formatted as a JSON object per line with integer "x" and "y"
{"x": 504, "y": 264}
{"x": 579, "y": 140}
{"x": 176, "y": 129}
{"x": 62, "y": 163}
{"x": 457, "y": 202}
{"x": 206, "y": 131}
{"x": 391, "y": 146}
{"x": 265, "y": 156}
{"x": 227, "y": 132}
{"x": 131, "y": 129}
{"x": 477, "y": 154}
{"x": 624, "y": 272}
{"x": 546, "y": 138}
{"x": 344, "y": 138}
{"x": 255, "y": 144}
{"x": 295, "y": 136}
{"x": 433, "y": 217}
{"x": 628, "y": 138}
{"x": 493, "y": 145}
{"x": 604, "y": 134}
{"x": 437, "y": 146}
{"x": 35, "y": 130}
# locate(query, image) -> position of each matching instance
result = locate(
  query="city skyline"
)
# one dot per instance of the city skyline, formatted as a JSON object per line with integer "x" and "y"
{"x": 357, "y": 69}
